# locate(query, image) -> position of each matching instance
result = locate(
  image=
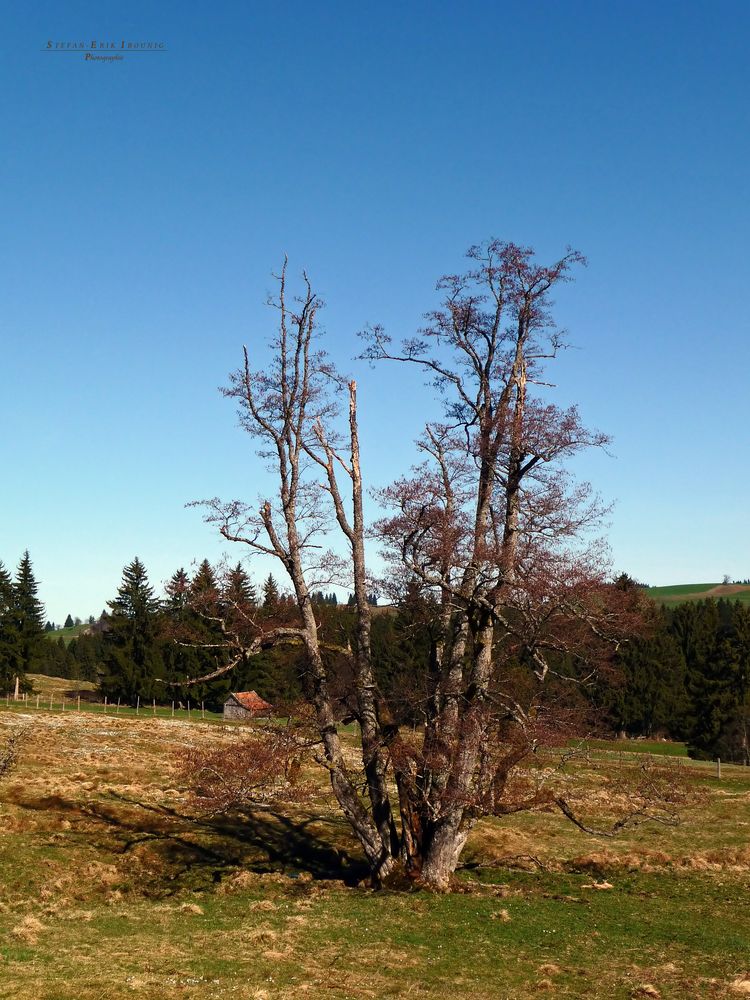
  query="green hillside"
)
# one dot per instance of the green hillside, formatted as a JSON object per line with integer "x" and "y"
{"x": 679, "y": 593}
{"x": 67, "y": 634}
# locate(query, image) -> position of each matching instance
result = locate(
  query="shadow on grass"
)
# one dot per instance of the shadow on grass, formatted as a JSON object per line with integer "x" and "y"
{"x": 199, "y": 852}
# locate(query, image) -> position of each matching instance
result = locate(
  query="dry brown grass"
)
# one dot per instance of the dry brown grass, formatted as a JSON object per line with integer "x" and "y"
{"x": 111, "y": 860}
{"x": 28, "y": 930}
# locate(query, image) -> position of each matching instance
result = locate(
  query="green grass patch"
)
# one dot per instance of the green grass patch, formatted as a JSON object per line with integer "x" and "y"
{"x": 60, "y": 694}
{"x": 68, "y": 634}
{"x": 679, "y": 593}
{"x": 681, "y": 589}
{"x": 70, "y": 705}
{"x": 655, "y": 747}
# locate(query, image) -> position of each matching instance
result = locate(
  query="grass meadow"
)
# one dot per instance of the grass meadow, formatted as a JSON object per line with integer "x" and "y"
{"x": 679, "y": 593}
{"x": 112, "y": 885}
{"x": 70, "y": 633}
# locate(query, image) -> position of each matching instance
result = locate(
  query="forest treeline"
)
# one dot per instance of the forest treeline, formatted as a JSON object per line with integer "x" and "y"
{"x": 685, "y": 679}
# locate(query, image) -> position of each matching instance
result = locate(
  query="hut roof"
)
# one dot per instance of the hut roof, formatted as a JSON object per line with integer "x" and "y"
{"x": 251, "y": 700}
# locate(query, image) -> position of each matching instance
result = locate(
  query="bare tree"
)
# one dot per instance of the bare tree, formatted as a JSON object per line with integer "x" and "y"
{"x": 489, "y": 526}
{"x": 288, "y": 408}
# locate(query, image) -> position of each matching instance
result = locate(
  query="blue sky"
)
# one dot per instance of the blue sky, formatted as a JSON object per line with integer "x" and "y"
{"x": 146, "y": 203}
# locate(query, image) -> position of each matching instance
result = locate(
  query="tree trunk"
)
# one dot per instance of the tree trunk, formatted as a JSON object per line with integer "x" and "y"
{"x": 444, "y": 842}
{"x": 374, "y": 750}
{"x": 378, "y": 854}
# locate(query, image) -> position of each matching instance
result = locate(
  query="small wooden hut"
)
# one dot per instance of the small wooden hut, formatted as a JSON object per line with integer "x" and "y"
{"x": 246, "y": 705}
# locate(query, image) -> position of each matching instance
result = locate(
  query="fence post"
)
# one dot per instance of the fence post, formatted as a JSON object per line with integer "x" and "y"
{"x": 203, "y": 711}
{"x": 718, "y": 768}
{"x": 154, "y": 706}
{"x": 79, "y": 703}
{"x": 37, "y": 701}
{"x": 173, "y": 710}
{"x": 63, "y": 703}
{"x": 105, "y": 704}
{"x": 138, "y": 705}
{"x": 117, "y": 710}
{"x": 50, "y": 702}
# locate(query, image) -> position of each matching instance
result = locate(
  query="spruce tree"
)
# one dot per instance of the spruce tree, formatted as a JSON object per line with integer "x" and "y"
{"x": 203, "y": 597}
{"x": 29, "y": 612}
{"x": 191, "y": 637}
{"x": 68, "y": 622}
{"x": 204, "y": 581}
{"x": 180, "y": 661}
{"x": 718, "y": 680}
{"x": 178, "y": 589}
{"x": 10, "y": 634}
{"x": 88, "y": 652}
{"x": 270, "y": 592}
{"x": 239, "y": 588}
{"x": 648, "y": 694}
{"x": 132, "y": 660}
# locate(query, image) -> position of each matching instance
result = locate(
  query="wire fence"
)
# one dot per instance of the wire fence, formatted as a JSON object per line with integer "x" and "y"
{"x": 197, "y": 712}
{"x": 57, "y": 701}
{"x": 633, "y": 756}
